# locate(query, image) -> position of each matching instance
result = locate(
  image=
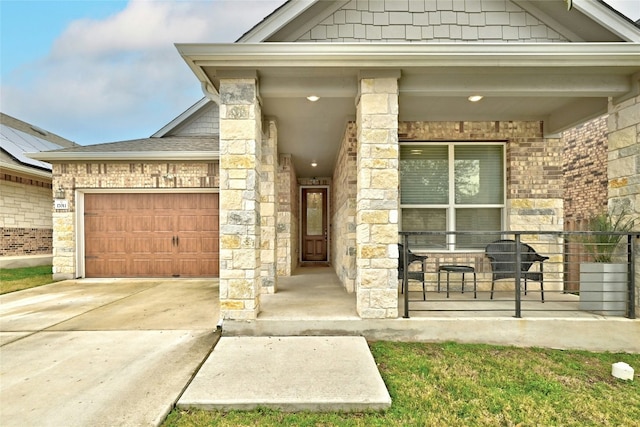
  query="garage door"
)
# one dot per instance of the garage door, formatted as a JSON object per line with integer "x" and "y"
{"x": 151, "y": 235}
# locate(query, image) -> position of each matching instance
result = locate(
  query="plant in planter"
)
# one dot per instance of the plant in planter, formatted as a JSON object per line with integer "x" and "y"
{"x": 603, "y": 283}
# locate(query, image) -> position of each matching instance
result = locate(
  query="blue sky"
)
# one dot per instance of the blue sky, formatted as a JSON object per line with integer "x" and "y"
{"x": 106, "y": 70}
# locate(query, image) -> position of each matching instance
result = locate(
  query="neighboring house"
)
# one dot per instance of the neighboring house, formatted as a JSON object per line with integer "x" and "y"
{"x": 26, "y": 196}
{"x": 392, "y": 141}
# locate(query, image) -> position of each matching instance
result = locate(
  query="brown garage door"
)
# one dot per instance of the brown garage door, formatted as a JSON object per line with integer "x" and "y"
{"x": 151, "y": 235}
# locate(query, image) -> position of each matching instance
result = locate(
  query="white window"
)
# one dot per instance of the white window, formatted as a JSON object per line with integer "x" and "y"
{"x": 452, "y": 187}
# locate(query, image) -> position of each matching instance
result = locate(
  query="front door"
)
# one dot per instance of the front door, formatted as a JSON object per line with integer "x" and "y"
{"x": 314, "y": 224}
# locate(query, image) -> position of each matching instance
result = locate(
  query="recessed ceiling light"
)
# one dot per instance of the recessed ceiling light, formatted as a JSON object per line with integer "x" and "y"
{"x": 475, "y": 98}
{"x": 313, "y": 98}
{"x": 314, "y": 164}
{"x": 416, "y": 151}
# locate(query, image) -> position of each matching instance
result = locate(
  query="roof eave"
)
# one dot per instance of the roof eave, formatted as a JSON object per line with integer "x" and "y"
{"x": 406, "y": 55}
{"x": 181, "y": 118}
{"x": 275, "y": 21}
{"x": 53, "y": 156}
{"x": 609, "y": 19}
{"x": 25, "y": 170}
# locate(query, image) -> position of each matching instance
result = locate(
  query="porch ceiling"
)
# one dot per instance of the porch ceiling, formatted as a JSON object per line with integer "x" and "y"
{"x": 560, "y": 84}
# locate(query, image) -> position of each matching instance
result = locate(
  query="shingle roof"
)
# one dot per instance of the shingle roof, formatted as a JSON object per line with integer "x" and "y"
{"x": 169, "y": 148}
{"x": 18, "y": 137}
{"x": 178, "y": 143}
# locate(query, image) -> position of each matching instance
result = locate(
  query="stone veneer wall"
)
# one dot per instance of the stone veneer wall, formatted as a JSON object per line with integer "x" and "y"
{"x": 377, "y": 196}
{"x": 343, "y": 209}
{"x": 585, "y": 170}
{"x": 534, "y": 176}
{"x": 624, "y": 167}
{"x": 240, "y": 207}
{"x": 25, "y": 219}
{"x": 134, "y": 176}
{"x": 287, "y": 228}
{"x": 268, "y": 209}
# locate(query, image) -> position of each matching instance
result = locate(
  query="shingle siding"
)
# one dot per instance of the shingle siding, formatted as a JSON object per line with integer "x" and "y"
{"x": 431, "y": 20}
{"x": 201, "y": 124}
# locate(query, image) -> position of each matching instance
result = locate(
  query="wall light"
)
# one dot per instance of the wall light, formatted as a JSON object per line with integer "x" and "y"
{"x": 59, "y": 194}
{"x": 314, "y": 164}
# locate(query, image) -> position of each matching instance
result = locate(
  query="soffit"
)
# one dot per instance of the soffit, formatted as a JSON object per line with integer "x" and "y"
{"x": 560, "y": 84}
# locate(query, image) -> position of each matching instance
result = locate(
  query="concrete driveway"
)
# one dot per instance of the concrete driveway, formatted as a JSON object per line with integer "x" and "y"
{"x": 102, "y": 352}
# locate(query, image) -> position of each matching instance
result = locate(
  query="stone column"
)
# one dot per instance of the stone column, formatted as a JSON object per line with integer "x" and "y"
{"x": 287, "y": 225}
{"x": 624, "y": 167}
{"x": 377, "y": 196}
{"x": 240, "y": 167}
{"x": 268, "y": 209}
{"x": 64, "y": 225}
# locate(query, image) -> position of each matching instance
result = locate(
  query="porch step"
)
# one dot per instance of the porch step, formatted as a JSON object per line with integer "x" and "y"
{"x": 312, "y": 373}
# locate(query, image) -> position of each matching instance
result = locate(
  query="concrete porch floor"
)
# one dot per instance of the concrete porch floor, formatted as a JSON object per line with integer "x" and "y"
{"x": 313, "y": 302}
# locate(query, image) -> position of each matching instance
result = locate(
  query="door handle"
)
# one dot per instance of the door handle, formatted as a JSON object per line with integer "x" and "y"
{"x": 177, "y": 240}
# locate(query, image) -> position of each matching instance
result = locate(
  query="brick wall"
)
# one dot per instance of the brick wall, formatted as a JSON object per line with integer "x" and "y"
{"x": 25, "y": 241}
{"x": 343, "y": 210}
{"x": 534, "y": 174}
{"x": 136, "y": 176}
{"x": 156, "y": 175}
{"x": 534, "y": 164}
{"x": 431, "y": 20}
{"x": 585, "y": 170}
{"x": 25, "y": 219}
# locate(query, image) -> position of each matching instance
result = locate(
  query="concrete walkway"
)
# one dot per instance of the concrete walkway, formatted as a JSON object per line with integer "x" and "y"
{"x": 102, "y": 352}
{"x": 121, "y": 352}
{"x": 290, "y": 374}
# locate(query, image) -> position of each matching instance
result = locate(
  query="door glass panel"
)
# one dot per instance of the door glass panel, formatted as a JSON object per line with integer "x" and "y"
{"x": 314, "y": 214}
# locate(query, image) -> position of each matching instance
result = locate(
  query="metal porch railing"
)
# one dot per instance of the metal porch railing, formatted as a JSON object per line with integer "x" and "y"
{"x": 566, "y": 282}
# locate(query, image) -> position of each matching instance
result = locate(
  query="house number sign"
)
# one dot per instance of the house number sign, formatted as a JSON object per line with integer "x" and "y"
{"x": 60, "y": 204}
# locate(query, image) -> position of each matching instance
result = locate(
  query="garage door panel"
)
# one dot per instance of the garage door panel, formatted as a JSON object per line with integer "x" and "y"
{"x": 151, "y": 235}
{"x": 143, "y": 266}
{"x": 190, "y": 268}
{"x": 163, "y": 222}
{"x": 187, "y": 223}
{"x": 142, "y": 223}
{"x": 93, "y": 223}
{"x": 162, "y": 267}
{"x": 208, "y": 265}
{"x": 140, "y": 245}
{"x": 209, "y": 223}
{"x": 115, "y": 224}
{"x": 210, "y": 246}
{"x": 189, "y": 245}
{"x": 162, "y": 245}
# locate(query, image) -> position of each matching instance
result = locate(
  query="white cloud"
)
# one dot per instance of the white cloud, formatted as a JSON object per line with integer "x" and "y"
{"x": 121, "y": 77}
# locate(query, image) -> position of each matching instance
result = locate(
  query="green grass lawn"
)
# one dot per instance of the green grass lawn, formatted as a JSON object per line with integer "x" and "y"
{"x": 16, "y": 279}
{"x": 473, "y": 385}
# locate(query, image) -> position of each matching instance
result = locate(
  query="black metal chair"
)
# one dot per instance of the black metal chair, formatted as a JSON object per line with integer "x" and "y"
{"x": 502, "y": 254}
{"x": 411, "y": 275}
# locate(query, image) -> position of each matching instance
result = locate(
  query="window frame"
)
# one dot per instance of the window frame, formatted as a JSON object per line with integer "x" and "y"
{"x": 451, "y": 207}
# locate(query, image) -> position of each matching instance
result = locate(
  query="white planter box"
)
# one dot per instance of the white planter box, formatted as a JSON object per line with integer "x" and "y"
{"x": 603, "y": 288}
